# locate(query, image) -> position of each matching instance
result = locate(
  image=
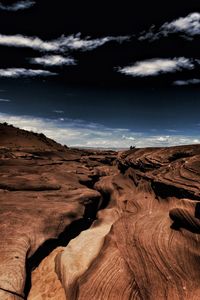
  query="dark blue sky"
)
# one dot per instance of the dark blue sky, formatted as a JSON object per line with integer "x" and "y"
{"x": 91, "y": 76}
{"x": 141, "y": 109}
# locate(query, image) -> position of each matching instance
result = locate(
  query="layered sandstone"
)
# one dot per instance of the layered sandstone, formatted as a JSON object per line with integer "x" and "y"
{"x": 80, "y": 224}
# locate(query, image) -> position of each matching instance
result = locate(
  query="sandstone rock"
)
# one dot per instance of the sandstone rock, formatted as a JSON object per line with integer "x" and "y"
{"x": 98, "y": 225}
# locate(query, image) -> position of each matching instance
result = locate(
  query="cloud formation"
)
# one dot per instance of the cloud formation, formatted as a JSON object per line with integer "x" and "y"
{"x": 53, "y": 60}
{"x": 187, "y": 82}
{"x": 188, "y": 27}
{"x": 156, "y": 66}
{"x": 28, "y": 42}
{"x": 75, "y": 42}
{"x": 21, "y": 72}
{"x": 59, "y": 111}
{"x": 4, "y": 100}
{"x": 78, "y": 133}
{"x": 63, "y": 43}
{"x": 72, "y": 132}
{"x": 20, "y": 5}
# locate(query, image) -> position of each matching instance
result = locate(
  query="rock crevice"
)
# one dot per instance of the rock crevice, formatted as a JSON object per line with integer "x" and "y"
{"x": 89, "y": 224}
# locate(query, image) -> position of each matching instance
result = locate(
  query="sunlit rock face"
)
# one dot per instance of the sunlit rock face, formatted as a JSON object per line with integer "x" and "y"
{"x": 95, "y": 224}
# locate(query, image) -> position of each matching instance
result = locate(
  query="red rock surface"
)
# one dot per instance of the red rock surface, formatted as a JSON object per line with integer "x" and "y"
{"x": 90, "y": 225}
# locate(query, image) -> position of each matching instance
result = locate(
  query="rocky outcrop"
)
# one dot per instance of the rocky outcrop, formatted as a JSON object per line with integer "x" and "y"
{"x": 44, "y": 280}
{"x": 79, "y": 224}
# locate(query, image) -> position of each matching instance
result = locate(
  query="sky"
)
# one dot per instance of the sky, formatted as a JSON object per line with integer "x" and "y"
{"x": 98, "y": 76}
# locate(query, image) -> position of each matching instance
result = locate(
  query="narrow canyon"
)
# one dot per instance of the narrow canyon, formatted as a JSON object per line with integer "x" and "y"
{"x": 97, "y": 225}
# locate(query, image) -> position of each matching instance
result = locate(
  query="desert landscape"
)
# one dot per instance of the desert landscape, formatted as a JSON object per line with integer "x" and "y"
{"x": 99, "y": 150}
{"x": 91, "y": 224}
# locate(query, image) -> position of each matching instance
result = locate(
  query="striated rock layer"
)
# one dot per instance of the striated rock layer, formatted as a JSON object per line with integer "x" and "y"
{"x": 97, "y": 225}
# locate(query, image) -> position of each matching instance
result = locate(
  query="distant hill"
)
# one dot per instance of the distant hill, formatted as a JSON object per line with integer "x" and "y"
{"x": 13, "y": 137}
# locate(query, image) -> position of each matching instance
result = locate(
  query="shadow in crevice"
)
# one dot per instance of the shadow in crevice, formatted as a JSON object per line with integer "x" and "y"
{"x": 69, "y": 233}
{"x": 105, "y": 199}
{"x": 197, "y": 210}
{"x": 164, "y": 191}
{"x": 90, "y": 182}
{"x": 183, "y": 218}
{"x": 178, "y": 225}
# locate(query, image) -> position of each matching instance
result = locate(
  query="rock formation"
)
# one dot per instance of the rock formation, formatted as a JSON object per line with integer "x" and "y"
{"x": 82, "y": 224}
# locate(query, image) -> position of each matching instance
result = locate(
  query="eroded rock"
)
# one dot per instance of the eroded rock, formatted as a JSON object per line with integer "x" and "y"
{"x": 90, "y": 225}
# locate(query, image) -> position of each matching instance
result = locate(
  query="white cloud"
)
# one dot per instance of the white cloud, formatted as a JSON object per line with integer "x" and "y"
{"x": 130, "y": 138}
{"x": 4, "y": 100}
{"x": 29, "y": 42}
{"x": 163, "y": 138}
{"x": 20, "y": 5}
{"x": 20, "y": 72}
{"x": 73, "y": 42}
{"x": 156, "y": 66}
{"x": 186, "y": 82}
{"x": 188, "y": 27}
{"x": 71, "y": 132}
{"x": 76, "y": 43}
{"x": 80, "y": 134}
{"x": 166, "y": 141}
{"x": 53, "y": 60}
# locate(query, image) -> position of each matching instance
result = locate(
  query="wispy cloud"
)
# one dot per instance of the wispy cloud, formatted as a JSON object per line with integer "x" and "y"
{"x": 53, "y": 60}
{"x": 156, "y": 66}
{"x": 4, "y": 100}
{"x": 72, "y": 132}
{"x": 188, "y": 27}
{"x": 19, "y": 5}
{"x": 21, "y": 72}
{"x": 63, "y": 43}
{"x": 187, "y": 82}
{"x": 172, "y": 130}
{"x": 58, "y": 111}
{"x": 81, "y": 134}
{"x": 169, "y": 140}
{"x": 75, "y": 42}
